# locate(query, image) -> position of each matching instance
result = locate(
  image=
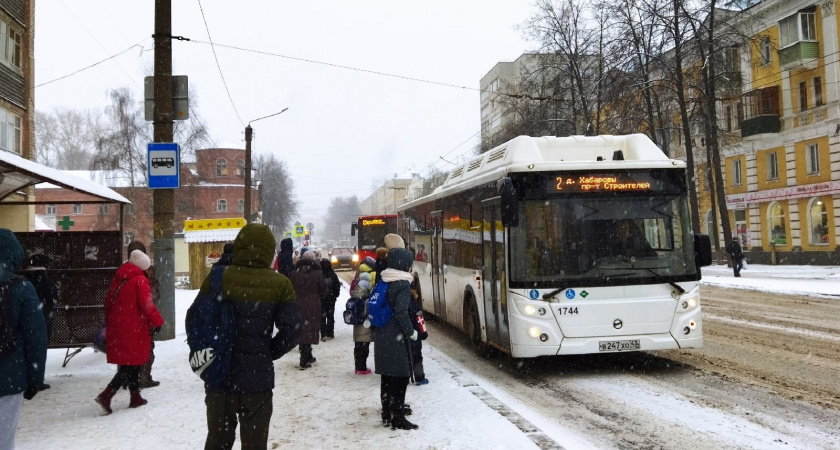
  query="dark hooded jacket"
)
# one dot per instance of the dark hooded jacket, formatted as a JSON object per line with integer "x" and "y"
{"x": 264, "y": 300}
{"x": 227, "y": 255}
{"x": 331, "y": 282}
{"x": 25, "y": 365}
{"x": 309, "y": 287}
{"x": 285, "y": 263}
{"x": 391, "y": 352}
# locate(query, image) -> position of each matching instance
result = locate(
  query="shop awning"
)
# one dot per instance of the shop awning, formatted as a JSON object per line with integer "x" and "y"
{"x": 17, "y": 173}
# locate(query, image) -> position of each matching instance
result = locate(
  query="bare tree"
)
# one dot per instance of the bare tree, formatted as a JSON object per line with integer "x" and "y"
{"x": 63, "y": 138}
{"x": 278, "y": 203}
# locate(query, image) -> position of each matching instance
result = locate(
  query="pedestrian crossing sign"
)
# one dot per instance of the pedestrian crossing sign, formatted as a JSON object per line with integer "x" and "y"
{"x": 300, "y": 230}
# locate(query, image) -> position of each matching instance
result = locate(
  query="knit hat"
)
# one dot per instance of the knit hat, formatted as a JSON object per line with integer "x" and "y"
{"x": 140, "y": 260}
{"x": 309, "y": 254}
{"x": 364, "y": 276}
{"x": 394, "y": 241}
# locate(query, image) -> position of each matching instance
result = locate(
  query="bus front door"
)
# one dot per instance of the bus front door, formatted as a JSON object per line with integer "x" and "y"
{"x": 493, "y": 276}
{"x": 436, "y": 252}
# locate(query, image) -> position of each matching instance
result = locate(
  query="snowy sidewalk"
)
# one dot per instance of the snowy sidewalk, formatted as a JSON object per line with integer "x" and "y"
{"x": 327, "y": 406}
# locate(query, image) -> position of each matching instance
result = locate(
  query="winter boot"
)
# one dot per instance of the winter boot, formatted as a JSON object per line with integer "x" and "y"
{"x": 386, "y": 415}
{"x": 406, "y": 409}
{"x": 104, "y": 399}
{"x": 137, "y": 400}
{"x": 399, "y": 422}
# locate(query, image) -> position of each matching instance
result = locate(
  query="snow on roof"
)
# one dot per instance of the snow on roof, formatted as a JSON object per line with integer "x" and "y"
{"x": 19, "y": 173}
{"x": 219, "y": 235}
{"x": 111, "y": 178}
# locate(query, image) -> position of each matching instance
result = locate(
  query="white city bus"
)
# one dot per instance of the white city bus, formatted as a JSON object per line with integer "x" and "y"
{"x": 519, "y": 248}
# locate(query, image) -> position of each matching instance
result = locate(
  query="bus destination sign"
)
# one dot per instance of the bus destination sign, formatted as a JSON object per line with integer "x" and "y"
{"x": 582, "y": 183}
{"x": 366, "y": 222}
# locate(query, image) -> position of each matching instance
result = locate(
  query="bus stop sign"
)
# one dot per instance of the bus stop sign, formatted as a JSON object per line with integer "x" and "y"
{"x": 163, "y": 165}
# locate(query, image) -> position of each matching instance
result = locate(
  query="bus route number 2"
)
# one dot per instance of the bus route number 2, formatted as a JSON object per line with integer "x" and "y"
{"x": 566, "y": 310}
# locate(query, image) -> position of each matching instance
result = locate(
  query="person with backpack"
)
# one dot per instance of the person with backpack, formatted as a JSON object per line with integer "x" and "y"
{"x": 129, "y": 315}
{"x": 363, "y": 333}
{"x": 264, "y": 300}
{"x": 391, "y": 353}
{"x": 23, "y": 339}
{"x": 36, "y": 273}
{"x": 308, "y": 282}
{"x": 333, "y": 289}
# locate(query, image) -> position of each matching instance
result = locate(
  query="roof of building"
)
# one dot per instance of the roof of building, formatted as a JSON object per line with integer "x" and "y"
{"x": 217, "y": 235}
{"x": 17, "y": 173}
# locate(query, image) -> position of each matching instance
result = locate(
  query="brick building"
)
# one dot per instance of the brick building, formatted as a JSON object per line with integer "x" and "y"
{"x": 211, "y": 188}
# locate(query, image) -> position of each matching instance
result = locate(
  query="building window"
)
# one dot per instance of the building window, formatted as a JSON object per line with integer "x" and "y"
{"x": 221, "y": 167}
{"x": 10, "y": 135}
{"x": 128, "y": 237}
{"x": 51, "y": 210}
{"x": 129, "y": 208}
{"x": 77, "y": 208}
{"x": 10, "y": 40}
{"x": 766, "y": 51}
{"x": 727, "y": 114}
{"x": 221, "y": 205}
{"x": 778, "y": 233}
{"x": 240, "y": 168}
{"x": 798, "y": 27}
{"x": 241, "y": 206}
{"x": 812, "y": 157}
{"x": 736, "y": 172}
{"x": 772, "y": 166}
{"x": 818, "y": 97}
{"x": 104, "y": 208}
{"x": 818, "y": 221}
{"x": 803, "y": 96}
{"x": 741, "y": 227}
{"x": 710, "y": 226}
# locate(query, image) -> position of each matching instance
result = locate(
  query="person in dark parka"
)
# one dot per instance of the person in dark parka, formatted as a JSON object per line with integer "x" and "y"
{"x": 333, "y": 289}
{"x": 285, "y": 257}
{"x": 36, "y": 273}
{"x": 22, "y": 371}
{"x": 391, "y": 352}
{"x": 308, "y": 282}
{"x": 264, "y": 300}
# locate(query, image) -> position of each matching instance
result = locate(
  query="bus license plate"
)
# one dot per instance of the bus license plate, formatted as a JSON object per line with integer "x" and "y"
{"x": 618, "y": 346}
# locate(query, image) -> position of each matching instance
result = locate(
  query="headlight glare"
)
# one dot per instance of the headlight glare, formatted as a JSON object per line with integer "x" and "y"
{"x": 529, "y": 309}
{"x": 534, "y": 332}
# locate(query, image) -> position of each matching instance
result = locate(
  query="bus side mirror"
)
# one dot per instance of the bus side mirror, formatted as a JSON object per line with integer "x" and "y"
{"x": 702, "y": 250}
{"x": 353, "y": 229}
{"x": 510, "y": 204}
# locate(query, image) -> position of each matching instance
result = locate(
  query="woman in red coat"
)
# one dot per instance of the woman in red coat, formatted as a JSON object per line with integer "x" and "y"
{"x": 129, "y": 314}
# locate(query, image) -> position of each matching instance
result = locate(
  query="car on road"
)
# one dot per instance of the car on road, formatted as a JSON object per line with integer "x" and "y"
{"x": 344, "y": 258}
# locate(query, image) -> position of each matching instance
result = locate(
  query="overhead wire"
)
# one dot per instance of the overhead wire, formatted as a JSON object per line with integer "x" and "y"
{"x": 92, "y": 65}
{"x": 216, "y": 57}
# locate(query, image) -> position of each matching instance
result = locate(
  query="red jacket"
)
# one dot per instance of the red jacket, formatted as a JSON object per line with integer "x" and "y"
{"x": 129, "y": 317}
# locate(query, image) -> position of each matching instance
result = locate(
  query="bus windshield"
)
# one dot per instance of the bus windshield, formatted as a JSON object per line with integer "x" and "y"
{"x": 602, "y": 241}
{"x": 373, "y": 235}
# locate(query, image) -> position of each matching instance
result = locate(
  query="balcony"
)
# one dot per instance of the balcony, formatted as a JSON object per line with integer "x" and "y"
{"x": 761, "y": 124}
{"x": 801, "y": 55}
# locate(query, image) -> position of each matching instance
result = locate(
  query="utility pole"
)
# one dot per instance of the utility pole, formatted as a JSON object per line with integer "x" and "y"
{"x": 247, "y": 210}
{"x": 163, "y": 200}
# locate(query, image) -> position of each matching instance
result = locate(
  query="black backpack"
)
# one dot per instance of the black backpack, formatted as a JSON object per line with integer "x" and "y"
{"x": 7, "y": 332}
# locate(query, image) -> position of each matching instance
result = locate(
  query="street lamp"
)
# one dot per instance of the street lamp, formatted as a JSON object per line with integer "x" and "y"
{"x": 248, "y": 133}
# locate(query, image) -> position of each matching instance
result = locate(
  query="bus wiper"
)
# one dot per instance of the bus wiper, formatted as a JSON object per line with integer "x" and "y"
{"x": 553, "y": 293}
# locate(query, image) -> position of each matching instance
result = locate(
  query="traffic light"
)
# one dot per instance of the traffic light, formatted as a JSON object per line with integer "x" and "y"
{"x": 306, "y": 236}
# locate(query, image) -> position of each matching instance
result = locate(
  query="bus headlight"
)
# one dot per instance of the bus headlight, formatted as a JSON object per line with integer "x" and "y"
{"x": 690, "y": 303}
{"x": 534, "y": 332}
{"x": 530, "y": 310}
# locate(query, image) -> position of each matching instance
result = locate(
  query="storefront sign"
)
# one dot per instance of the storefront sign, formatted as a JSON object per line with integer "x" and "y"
{"x": 213, "y": 224}
{"x": 739, "y": 201}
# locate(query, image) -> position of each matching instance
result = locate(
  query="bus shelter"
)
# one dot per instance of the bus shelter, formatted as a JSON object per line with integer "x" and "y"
{"x": 82, "y": 262}
{"x": 206, "y": 239}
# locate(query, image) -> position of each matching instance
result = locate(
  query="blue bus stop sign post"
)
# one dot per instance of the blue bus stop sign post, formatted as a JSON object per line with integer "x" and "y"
{"x": 163, "y": 165}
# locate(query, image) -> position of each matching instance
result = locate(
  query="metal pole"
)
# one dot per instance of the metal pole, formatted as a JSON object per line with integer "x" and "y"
{"x": 163, "y": 200}
{"x": 247, "y": 210}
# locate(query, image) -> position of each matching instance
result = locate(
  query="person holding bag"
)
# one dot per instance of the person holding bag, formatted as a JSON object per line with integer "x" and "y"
{"x": 129, "y": 314}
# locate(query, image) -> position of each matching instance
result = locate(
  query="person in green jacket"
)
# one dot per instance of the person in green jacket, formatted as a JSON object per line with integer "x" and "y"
{"x": 24, "y": 355}
{"x": 264, "y": 300}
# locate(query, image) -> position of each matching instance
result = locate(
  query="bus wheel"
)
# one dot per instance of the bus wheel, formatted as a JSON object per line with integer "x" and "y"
{"x": 474, "y": 329}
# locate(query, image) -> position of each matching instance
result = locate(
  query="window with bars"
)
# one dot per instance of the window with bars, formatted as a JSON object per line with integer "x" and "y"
{"x": 221, "y": 167}
{"x": 761, "y": 102}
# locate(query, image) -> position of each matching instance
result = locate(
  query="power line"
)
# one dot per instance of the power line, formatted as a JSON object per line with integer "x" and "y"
{"x": 93, "y": 65}
{"x": 216, "y": 57}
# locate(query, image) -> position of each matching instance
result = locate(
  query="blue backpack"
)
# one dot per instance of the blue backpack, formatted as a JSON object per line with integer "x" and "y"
{"x": 211, "y": 332}
{"x": 354, "y": 311}
{"x": 379, "y": 309}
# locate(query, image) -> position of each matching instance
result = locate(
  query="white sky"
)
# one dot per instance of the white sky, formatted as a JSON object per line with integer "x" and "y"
{"x": 329, "y": 406}
{"x": 344, "y": 129}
